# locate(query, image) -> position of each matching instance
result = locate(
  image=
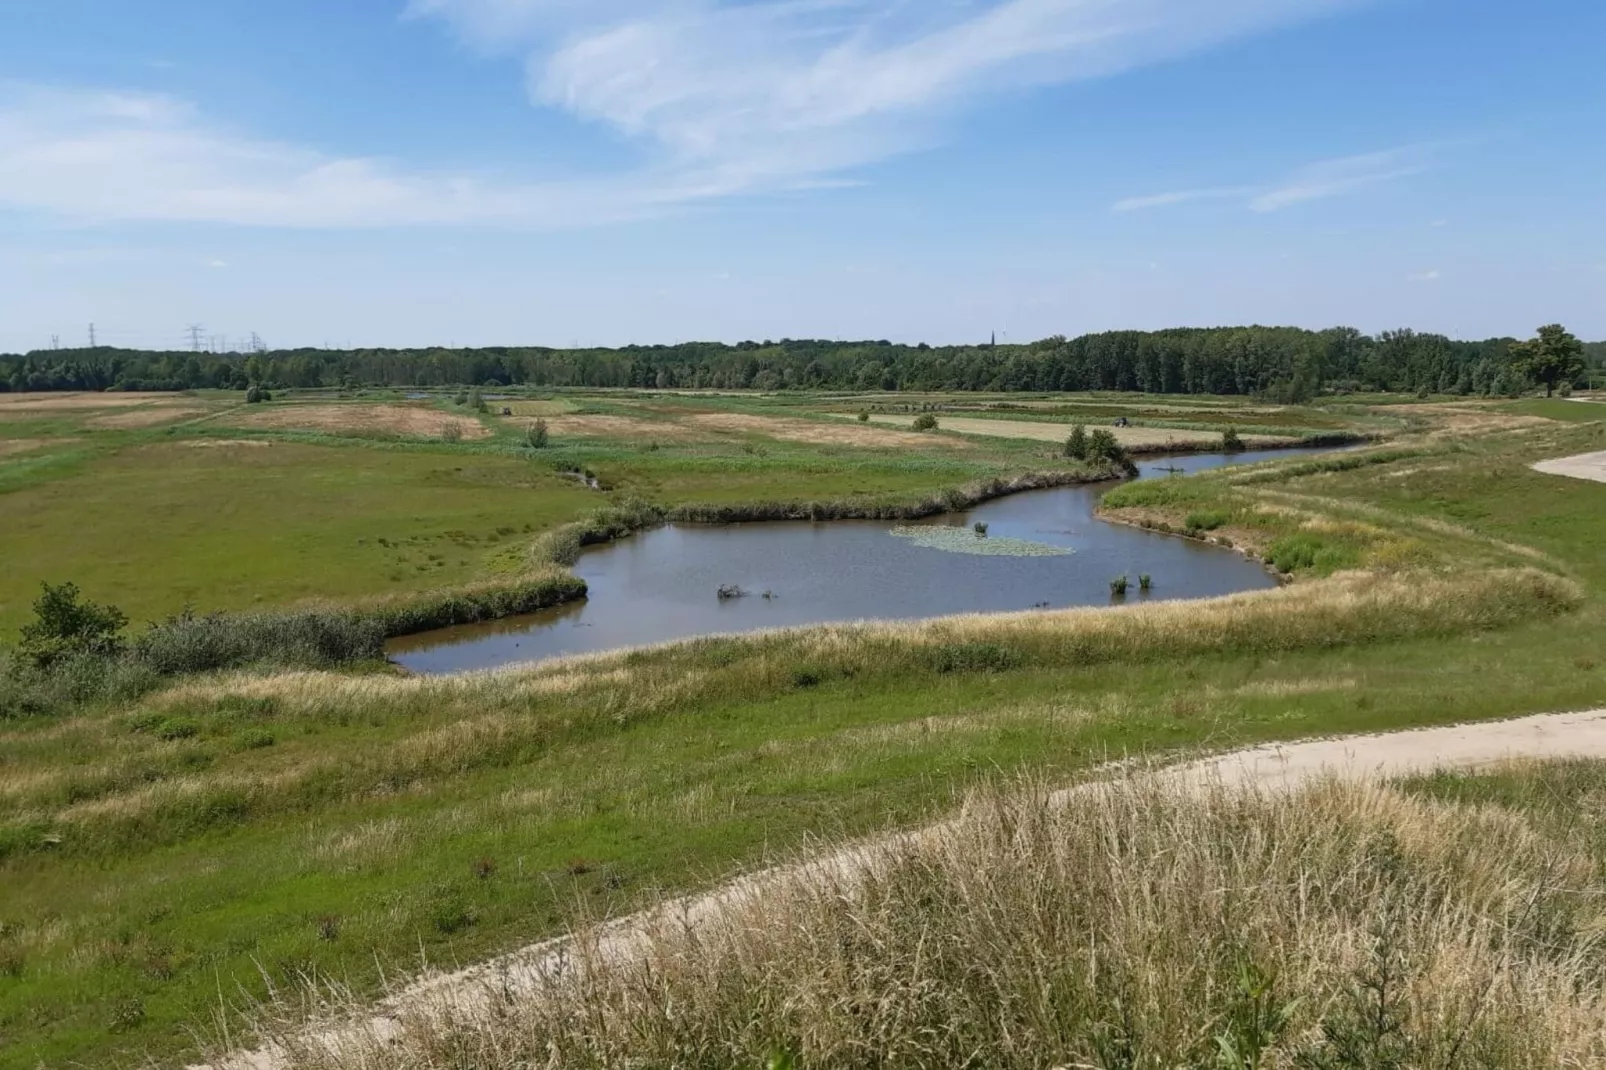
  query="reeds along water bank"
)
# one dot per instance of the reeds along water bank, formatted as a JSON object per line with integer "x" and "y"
{"x": 1345, "y": 609}
{"x": 1135, "y": 925}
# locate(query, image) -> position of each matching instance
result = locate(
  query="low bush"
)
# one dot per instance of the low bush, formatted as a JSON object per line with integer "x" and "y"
{"x": 1307, "y": 552}
{"x": 187, "y": 643}
{"x": 974, "y": 657}
{"x": 925, "y": 422}
{"x": 1207, "y": 520}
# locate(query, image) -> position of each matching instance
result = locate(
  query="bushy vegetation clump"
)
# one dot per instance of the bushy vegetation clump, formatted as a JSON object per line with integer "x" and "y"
{"x": 925, "y": 422}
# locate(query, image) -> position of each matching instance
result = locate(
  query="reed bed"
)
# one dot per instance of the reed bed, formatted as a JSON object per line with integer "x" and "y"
{"x": 1135, "y": 924}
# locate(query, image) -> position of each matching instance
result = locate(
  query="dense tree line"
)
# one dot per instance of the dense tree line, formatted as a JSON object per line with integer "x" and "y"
{"x": 1282, "y": 363}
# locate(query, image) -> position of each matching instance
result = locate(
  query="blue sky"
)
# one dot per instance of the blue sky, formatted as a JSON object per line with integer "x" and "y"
{"x": 414, "y": 172}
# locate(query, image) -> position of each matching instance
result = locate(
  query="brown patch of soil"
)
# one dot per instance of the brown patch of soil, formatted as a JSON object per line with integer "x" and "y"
{"x": 822, "y": 434}
{"x": 66, "y": 402}
{"x": 416, "y": 420}
{"x": 149, "y": 416}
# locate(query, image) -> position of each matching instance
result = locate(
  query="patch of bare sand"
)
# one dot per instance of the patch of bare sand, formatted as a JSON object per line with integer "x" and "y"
{"x": 12, "y": 446}
{"x": 1148, "y": 439}
{"x": 1467, "y": 419}
{"x": 555, "y": 407}
{"x": 220, "y": 443}
{"x": 1273, "y": 767}
{"x": 66, "y": 402}
{"x": 1590, "y": 466}
{"x": 148, "y": 416}
{"x": 820, "y": 434}
{"x": 417, "y": 420}
{"x": 630, "y": 427}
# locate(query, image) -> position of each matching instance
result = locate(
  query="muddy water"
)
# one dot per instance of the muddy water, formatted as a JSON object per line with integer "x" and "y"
{"x": 663, "y": 584}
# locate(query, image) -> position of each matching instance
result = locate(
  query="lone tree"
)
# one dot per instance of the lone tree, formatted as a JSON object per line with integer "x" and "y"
{"x": 66, "y": 625}
{"x": 1553, "y": 358}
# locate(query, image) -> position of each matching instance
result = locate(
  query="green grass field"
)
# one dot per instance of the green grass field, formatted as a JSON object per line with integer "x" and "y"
{"x": 227, "y": 834}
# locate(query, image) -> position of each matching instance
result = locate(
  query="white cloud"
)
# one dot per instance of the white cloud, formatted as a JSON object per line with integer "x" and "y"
{"x": 1431, "y": 275}
{"x": 764, "y": 90}
{"x": 1332, "y": 178}
{"x": 725, "y": 96}
{"x": 1314, "y": 182}
{"x": 57, "y": 149}
{"x": 1165, "y": 200}
{"x": 215, "y": 264}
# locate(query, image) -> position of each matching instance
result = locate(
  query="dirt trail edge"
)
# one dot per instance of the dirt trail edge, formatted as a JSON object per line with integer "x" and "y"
{"x": 1584, "y": 466}
{"x": 1270, "y": 767}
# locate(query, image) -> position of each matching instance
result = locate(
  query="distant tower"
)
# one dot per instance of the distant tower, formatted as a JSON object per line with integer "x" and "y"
{"x": 91, "y": 336}
{"x": 994, "y": 343}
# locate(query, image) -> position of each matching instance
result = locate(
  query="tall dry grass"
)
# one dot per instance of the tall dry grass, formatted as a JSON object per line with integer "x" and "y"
{"x": 1135, "y": 925}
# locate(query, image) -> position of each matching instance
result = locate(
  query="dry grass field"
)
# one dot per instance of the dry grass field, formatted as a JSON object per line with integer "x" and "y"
{"x": 418, "y": 421}
{"x": 822, "y": 433}
{"x": 1138, "y": 439}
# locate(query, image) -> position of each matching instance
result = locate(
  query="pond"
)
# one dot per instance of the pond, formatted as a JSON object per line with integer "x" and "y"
{"x": 664, "y": 584}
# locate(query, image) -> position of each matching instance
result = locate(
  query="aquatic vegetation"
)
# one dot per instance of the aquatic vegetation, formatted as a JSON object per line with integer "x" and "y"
{"x": 963, "y": 541}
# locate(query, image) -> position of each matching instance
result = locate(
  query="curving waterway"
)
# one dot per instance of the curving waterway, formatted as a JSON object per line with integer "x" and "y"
{"x": 663, "y": 584}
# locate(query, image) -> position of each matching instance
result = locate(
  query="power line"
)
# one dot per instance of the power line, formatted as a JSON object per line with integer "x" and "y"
{"x": 91, "y": 336}
{"x": 195, "y": 330}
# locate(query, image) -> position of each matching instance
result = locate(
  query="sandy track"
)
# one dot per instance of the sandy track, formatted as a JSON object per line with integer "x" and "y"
{"x": 1590, "y": 466}
{"x": 1270, "y": 767}
{"x": 1137, "y": 438}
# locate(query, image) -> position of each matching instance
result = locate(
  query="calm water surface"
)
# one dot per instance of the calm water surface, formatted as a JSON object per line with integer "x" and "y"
{"x": 661, "y": 584}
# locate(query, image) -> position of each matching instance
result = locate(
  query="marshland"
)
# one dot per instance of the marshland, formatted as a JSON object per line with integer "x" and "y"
{"x": 232, "y": 807}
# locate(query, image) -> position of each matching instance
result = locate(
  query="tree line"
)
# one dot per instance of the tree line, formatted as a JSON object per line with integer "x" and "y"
{"x": 1280, "y": 363}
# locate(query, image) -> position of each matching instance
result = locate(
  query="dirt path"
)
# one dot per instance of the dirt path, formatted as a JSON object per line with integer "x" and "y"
{"x": 1584, "y": 466}
{"x": 1273, "y": 767}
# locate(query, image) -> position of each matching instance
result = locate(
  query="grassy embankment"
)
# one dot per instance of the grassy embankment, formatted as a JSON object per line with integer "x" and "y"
{"x": 1444, "y": 921}
{"x": 245, "y": 830}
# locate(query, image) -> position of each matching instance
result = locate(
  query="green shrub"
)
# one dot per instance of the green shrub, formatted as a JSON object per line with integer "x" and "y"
{"x": 864, "y": 416}
{"x": 1145, "y": 582}
{"x": 65, "y": 625}
{"x": 974, "y": 657}
{"x": 538, "y": 435}
{"x": 1118, "y": 587}
{"x": 253, "y": 739}
{"x": 1076, "y": 444}
{"x": 980, "y": 528}
{"x": 175, "y": 728}
{"x": 1230, "y": 440}
{"x": 806, "y": 677}
{"x": 449, "y": 911}
{"x": 452, "y": 433}
{"x": 1207, "y": 520}
{"x": 1307, "y": 552}
{"x": 314, "y": 639}
{"x": 925, "y": 422}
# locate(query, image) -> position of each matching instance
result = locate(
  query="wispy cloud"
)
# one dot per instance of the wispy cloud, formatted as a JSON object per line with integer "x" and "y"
{"x": 724, "y": 96}
{"x": 57, "y": 149}
{"x": 1314, "y": 182}
{"x": 1334, "y": 178}
{"x": 1165, "y": 200}
{"x": 1431, "y": 275}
